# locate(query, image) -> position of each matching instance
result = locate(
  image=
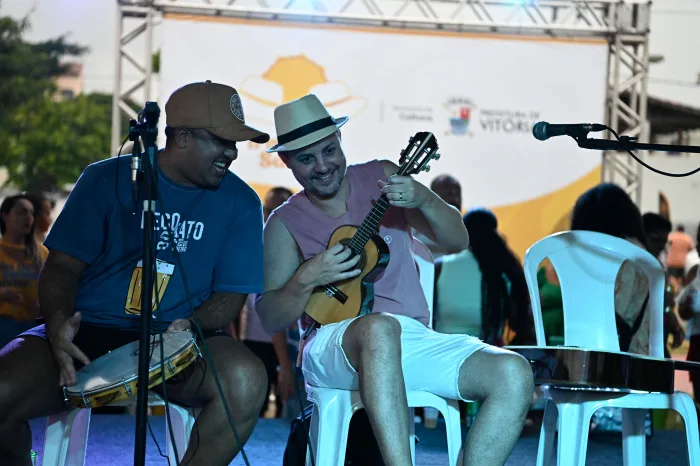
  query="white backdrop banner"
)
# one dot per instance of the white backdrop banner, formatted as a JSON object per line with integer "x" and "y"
{"x": 480, "y": 95}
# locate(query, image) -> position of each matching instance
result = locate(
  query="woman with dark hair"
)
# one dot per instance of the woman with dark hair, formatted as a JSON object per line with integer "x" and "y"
{"x": 482, "y": 291}
{"x": 21, "y": 258}
{"x": 608, "y": 209}
{"x": 43, "y": 208}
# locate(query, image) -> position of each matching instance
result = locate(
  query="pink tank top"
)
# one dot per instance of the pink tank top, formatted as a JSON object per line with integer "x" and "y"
{"x": 398, "y": 289}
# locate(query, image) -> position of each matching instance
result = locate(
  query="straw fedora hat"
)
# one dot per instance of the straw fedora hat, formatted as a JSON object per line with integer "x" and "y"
{"x": 303, "y": 122}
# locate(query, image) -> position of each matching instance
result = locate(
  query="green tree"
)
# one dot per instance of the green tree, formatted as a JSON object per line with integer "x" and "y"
{"x": 27, "y": 82}
{"x": 28, "y": 70}
{"x": 55, "y": 141}
{"x": 155, "y": 62}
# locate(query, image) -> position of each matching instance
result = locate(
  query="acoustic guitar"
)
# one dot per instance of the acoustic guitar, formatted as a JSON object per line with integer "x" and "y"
{"x": 355, "y": 296}
{"x": 573, "y": 367}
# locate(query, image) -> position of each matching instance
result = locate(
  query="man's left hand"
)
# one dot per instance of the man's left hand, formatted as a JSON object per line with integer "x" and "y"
{"x": 180, "y": 325}
{"x": 404, "y": 191}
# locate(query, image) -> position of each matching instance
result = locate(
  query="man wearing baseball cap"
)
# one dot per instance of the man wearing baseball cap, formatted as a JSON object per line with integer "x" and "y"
{"x": 209, "y": 258}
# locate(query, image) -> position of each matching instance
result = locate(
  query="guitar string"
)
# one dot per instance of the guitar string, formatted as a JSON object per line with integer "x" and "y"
{"x": 364, "y": 232}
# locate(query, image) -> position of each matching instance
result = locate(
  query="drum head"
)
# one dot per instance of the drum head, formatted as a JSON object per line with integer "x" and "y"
{"x": 122, "y": 364}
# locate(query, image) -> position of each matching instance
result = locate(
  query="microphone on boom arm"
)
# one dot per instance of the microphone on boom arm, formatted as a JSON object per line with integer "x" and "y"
{"x": 543, "y": 130}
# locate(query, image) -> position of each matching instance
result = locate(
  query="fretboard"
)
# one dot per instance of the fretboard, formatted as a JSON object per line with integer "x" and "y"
{"x": 369, "y": 225}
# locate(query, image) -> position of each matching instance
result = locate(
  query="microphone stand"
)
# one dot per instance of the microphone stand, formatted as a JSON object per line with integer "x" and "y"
{"x": 627, "y": 143}
{"x": 145, "y": 191}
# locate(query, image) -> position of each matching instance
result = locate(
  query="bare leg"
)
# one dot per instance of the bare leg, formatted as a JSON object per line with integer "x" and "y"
{"x": 504, "y": 381}
{"x": 243, "y": 380}
{"x": 28, "y": 389}
{"x": 373, "y": 346}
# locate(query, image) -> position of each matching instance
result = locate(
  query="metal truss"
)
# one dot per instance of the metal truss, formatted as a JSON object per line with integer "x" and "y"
{"x": 133, "y": 21}
{"x": 626, "y": 107}
{"x": 624, "y": 24}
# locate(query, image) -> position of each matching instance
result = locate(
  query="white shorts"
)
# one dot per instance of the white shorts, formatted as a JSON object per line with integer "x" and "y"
{"x": 430, "y": 360}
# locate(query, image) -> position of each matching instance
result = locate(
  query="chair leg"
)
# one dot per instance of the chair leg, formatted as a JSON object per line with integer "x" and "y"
{"x": 182, "y": 423}
{"x": 66, "y": 438}
{"x": 684, "y": 405}
{"x": 453, "y": 431}
{"x": 329, "y": 435}
{"x": 545, "y": 448}
{"x": 573, "y": 425}
{"x": 412, "y": 433}
{"x": 634, "y": 446}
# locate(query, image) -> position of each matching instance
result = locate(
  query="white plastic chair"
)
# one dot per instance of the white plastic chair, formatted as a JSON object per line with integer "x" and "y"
{"x": 67, "y": 433}
{"x": 587, "y": 264}
{"x": 333, "y": 408}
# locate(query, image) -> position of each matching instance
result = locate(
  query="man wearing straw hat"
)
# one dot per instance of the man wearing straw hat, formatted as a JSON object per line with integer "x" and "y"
{"x": 392, "y": 349}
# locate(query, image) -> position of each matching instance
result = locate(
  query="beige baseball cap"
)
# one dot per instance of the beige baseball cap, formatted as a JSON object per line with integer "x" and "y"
{"x": 214, "y": 107}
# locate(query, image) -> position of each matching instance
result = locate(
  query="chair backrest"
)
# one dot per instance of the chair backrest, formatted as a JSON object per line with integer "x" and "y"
{"x": 587, "y": 264}
{"x": 426, "y": 271}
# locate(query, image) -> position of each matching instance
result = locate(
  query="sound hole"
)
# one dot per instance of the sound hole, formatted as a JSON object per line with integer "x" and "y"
{"x": 363, "y": 254}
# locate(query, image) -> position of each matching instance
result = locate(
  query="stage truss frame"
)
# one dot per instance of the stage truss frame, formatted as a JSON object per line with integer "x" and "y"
{"x": 624, "y": 24}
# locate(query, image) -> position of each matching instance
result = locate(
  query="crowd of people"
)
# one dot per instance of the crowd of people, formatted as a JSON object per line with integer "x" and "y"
{"x": 61, "y": 294}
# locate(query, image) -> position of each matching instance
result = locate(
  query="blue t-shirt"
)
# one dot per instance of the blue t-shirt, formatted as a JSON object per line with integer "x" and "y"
{"x": 217, "y": 233}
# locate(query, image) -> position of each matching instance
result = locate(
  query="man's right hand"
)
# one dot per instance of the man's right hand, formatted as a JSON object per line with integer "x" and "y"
{"x": 10, "y": 295}
{"x": 332, "y": 265}
{"x": 61, "y": 338}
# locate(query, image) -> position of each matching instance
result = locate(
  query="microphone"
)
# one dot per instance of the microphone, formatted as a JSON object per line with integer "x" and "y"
{"x": 544, "y": 130}
{"x": 135, "y": 169}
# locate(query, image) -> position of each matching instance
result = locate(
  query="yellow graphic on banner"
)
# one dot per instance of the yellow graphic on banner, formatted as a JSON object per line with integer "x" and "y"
{"x": 290, "y": 78}
{"x": 133, "y": 299}
{"x": 525, "y": 223}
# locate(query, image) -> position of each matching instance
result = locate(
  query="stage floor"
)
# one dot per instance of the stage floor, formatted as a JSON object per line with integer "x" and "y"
{"x": 111, "y": 443}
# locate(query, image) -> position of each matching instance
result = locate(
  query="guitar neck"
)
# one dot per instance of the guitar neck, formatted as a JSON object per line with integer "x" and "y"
{"x": 369, "y": 225}
{"x": 414, "y": 159}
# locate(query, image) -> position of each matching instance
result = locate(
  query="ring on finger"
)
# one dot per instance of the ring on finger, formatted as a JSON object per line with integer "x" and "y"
{"x": 400, "y": 196}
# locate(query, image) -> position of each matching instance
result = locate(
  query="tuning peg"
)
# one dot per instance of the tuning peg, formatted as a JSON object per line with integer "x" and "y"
{"x": 436, "y": 156}
{"x": 427, "y": 168}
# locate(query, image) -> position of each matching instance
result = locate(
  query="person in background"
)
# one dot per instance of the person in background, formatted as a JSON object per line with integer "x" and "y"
{"x": 481, "y": 291}
{"x": 450, "y": 191}
{"x": 21, "y": 259}
{"x": 606, "y": 208}
{"x": 689, "y": 309}
{"x": 271, "y": 349}
{"x": 680, "y": 244}
{"x": 43, "y": 210}
{"x": 691, "y": 266}
{"x": 657, "y": 229}
{"x": 692, "y": 261}
{"x": 551, "y": 304}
